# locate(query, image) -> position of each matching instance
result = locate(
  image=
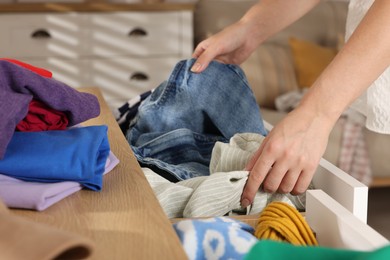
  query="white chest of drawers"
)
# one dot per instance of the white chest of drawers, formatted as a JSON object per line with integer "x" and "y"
{"x": 124, "y": 53}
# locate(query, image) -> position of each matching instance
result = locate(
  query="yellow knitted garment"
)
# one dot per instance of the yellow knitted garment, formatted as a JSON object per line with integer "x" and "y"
{"x": 281, "y": 222}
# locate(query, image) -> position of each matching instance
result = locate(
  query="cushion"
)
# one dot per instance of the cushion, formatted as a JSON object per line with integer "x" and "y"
{"x": 270, "y": 72}
{"x": 310, "y": 60}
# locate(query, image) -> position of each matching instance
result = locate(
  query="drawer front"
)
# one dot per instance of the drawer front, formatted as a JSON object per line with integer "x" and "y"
{"x": 135, "y": 33}
{"x": 337, "y": 227}
{"x": 342, "y": 187}
{"x": 333, "y": 225}
{"x": 123, "y": 78}
{"x": 74, "y": 73}
{"x": 42, "y": 35}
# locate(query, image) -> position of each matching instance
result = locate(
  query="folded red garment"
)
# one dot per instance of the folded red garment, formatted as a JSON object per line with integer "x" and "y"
{"x": 40, "y": 71}
{"x": 40, "y": 117}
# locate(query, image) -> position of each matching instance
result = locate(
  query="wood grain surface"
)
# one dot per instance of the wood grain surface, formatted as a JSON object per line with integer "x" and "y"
{"x": 124, "y": 220}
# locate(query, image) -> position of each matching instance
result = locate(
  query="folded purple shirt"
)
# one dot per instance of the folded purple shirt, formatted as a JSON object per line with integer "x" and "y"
{"x": 19, "y": 85}
{"x": 16, "y": 193}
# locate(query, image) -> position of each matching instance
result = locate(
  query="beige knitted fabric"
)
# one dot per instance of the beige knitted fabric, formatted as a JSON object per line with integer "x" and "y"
{"x": 220, "y": 193}
{"x": 374, "y": 103}
{"x": 23, "y": 239}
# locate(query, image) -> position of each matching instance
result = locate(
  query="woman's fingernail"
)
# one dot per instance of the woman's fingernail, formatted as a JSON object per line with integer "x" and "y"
{"x": 245, "y": 203}
{"x": 196, "y": 68}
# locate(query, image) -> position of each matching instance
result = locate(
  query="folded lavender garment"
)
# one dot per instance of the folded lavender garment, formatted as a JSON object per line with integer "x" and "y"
{"x": 16, "y": 193}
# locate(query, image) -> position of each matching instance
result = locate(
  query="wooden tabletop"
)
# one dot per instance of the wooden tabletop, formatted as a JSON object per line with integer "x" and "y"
{"x": 124, "y": 220}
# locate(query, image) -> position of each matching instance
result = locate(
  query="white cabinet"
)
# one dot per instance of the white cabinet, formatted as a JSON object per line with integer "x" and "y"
{"x": 138, "y": 34}
{"x": 124, "y": 52}
{"x": 75, "y": 73}
{"x": 122, "y": 78}
{"x": 43, "y": 36}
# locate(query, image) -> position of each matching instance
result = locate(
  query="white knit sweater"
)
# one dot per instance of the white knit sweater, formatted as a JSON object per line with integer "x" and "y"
{"x": 375, "y": 102}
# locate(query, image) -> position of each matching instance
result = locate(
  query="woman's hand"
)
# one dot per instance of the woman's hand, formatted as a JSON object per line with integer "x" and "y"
{"x": 232, "y": 46}
{"x": 235, "y": 43}
{"x": 289, "y": 155}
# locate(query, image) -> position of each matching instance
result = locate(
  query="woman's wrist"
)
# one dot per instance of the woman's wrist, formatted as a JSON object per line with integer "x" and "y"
{"x": 314, "y": 109}
{"x": 251, "y": 24}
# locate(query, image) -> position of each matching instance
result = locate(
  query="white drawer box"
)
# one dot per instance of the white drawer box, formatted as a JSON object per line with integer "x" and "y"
{"x": 43, "y": 35}
{"x": 123, "y": 78}
{"x": 337, "y": 210}
{"x": 136, "y": 33}
{"x": 337, "y": 227}
{"x": 334, "y": 226}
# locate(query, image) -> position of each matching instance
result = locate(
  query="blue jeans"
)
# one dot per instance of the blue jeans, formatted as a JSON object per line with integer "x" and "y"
{"x": 178, "y": 124}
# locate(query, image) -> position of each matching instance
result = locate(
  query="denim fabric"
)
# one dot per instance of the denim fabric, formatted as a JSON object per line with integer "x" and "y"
{"x": 178, "y": 124}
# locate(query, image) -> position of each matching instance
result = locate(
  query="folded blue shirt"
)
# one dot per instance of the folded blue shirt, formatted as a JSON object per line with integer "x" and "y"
{"x": 77, "y": 154}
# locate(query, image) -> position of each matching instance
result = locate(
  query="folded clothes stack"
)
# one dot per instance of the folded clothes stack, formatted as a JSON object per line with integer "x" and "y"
{"x": 38, "y": 143}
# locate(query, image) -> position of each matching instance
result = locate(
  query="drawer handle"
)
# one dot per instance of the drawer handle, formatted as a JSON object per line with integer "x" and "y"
{"x": 139, "y": 76}
{"x": 41, "y": 34}
{"x": 138, "y": 32}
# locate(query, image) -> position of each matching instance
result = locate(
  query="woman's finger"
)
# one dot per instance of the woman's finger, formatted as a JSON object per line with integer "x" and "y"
{"x": 275, "y": 176}
{"x": 303, "y": 181}
{"x": 255, "y": 178}
{"x": 289, "y": 181}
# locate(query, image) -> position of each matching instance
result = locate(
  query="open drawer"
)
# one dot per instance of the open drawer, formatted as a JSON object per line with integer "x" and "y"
{"x": 334, "y": 226}
{"x": 346, "y": 190}
{"x": 337, "y": 227}
{"x": 336, "y": 210}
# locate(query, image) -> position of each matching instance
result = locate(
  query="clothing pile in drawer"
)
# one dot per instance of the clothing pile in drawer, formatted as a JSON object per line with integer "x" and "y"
{"x": 193, "y": 136}
{"x": 45, "y": 155}
{"x": 280, "y": 233}
{"x": 227, "y": 238}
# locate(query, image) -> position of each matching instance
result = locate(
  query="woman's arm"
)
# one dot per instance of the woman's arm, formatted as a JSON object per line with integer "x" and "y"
{"x": 236, "y": 42}
{"x": 288, "y": 157}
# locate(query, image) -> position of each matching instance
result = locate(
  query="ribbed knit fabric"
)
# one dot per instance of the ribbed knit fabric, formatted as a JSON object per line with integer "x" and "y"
{"x": 281, "y": 222}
